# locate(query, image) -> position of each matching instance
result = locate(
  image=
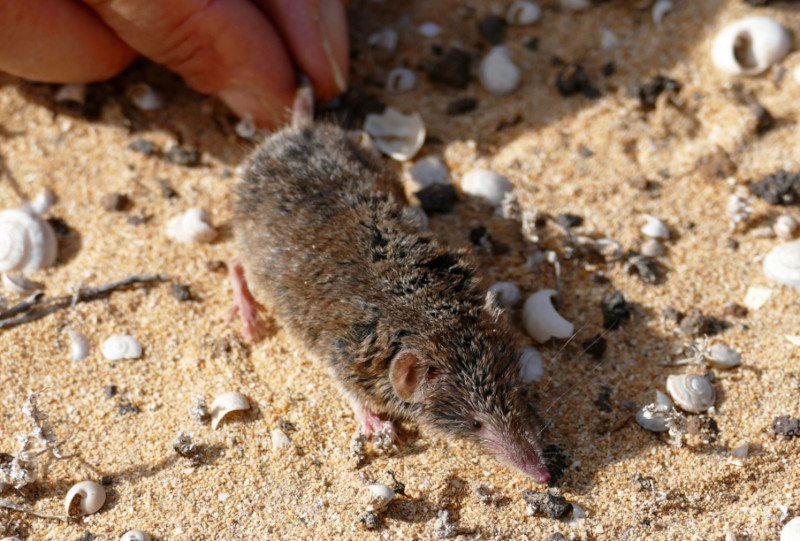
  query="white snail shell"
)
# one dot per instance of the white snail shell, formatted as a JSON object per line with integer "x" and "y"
{"x": 530, "y": 365}
{"x": 691, "y": 392}
{"x": 497, "y": 73}
{"x": 782, "y": 264}
{"x": 379, "y": 496}
{"x": 791, "y": 532}
{"x": 486, "y": 184}
{"x": 135, "y": 535}
{"x": 27, "y": 243}
{"x": 655, "y": 228}
{"x": 17, "y": 283}
{"x": 226, "y": 403}
{"x": 401, "y": 80}
{"x": 505, "y": 294}
{"x": 194, "y": 225}
{"x": 522, "y": 13}
{"x": 79, "y": 346}
{"x": 92, "y": 497}
{"x": 652, "y": 416}
{"x": 723, "y": 357}
{"x": 541, "y": 320}
{"x": 397, "y": 135}
{"x": 121, "y": 346}
{"x": 750, "y": 45}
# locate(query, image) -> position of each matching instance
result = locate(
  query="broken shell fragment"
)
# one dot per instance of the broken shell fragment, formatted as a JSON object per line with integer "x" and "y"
{"x": 486, "y": 184}
{"x": 522, "y": 13}
{"x": 39, "y": 204}
{"x": 505, "y": 294}
{"x": 782, "y": 264}
{"x": 429, "y": 170}
{"x": 541, "y": 320}
{"x": 84, "y": 498}
{"x": 653, "y": 417}
{"x": 27, "y": 243}
{"x": 71, "y": 93}
{"x": 135, "y": 535}
{"x": 652, "y": 248}
{"x": 661, "y": 8}
{"x": 530, "y": 365}
{"x": 145, "y": 98}
{"x": 497, "y": 73}
{"x": 226, "y": 403}
{"x": 785, "y": 226}
{"x": 401, "y": 80}
{"x": 78, "y": 346}
{"x": 18, "y": 284}
{"x": 397, "y": 135}
{"x": 750, "y": 45}
{"x": 279, "y": 438}
{"x": 379, "y": 497}
{"x": 691, "y": 392}
{"x": 194, "y": 225}
{"x": 723, "y": 357}
{"x": 791, "y": 532}
{"x": 121, "y": 346}
{"x": 655, "y": 228}
{"x": 385, "y": 39}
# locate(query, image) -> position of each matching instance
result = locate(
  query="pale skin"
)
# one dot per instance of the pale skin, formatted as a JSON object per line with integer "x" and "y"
{"x": 246, "y": 52}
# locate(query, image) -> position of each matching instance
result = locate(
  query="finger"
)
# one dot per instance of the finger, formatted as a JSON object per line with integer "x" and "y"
{"x": 58, "y": 41}
{"x": 226, "y": 48}
{"x": 316, "y": 33}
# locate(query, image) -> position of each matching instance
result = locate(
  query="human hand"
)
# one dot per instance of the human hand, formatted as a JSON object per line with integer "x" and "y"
{"x": 244, "y": 51}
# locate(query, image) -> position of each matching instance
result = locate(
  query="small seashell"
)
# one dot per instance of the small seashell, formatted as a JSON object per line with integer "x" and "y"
{"x": 486, "y": 184}
{"x": 379, "y": 497}
{"x": 691, "y": 392}
{"x": 194, "y": 225}
{"x": 531, "y": 367}
{"x": 506, "y": 294}
{"x": 397, "y": 135}
{"x": 750, "y": 45}
{"x": 785, "y": 226}
{"x": 793, "y": 339}
{"x": 497, "y": 73}
{"x": 279, "y": 438}
{"x": 71, "y": 92}
{"x": 608, "y": 40}
{"x": 741, "y": 450}
{"x": 652, "y": 248}
{"x": 782, "y": 264}
{"x": 135, "y": 535}
{"x": 385, "y": 39}
{"x": 541, "y": 320}
{"x": 660, "y": 8}
{"x": 27, "y": 243}
{"x": 652, "y": 417}
{"x": 39, "y": 205}
{"x": 723, "y": 357}
{"x": 121, "y": 346}
{"x": 226, "y": 403}
{"x": 575, "y": 5}
{"x": 245, "y": 128}
{"x": 429, "y": 170}
{"x": 756, "y": 297}
{"x": 521, "y": 13}
{"x": 791, "y": 532}
{"x": 655, "y": 228}
{"x": 18, "y": 284}
{"x": 401, "y": 80}
{"x": 429, "y": 29}
{"x": 145, "y": 98}
{"x": 78, "y": 346}
{"x": 84, "y": 498}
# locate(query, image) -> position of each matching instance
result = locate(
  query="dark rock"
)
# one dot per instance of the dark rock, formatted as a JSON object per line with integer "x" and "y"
{"x": 572, "y": 79}
{"x": 148, "y": 148}
{"x": 437, "y": 197}
{"x": 568, "y": 220}
{"x": 451, "y": 70}
{"x": 479, "y": 235}
{"x": 764, "y": 119}
{"x": 110, "y": 390}
{"x": 461, "y": 106}
{"x": 608, "y": 69}
{"x": 672, "y": 314}
{"x": 735, "y": 310}
{"x": 595, "y": 346}
{"x": 648, "y": 92}
{"x": 552, "y": 505}
{"x": 786, "y": 426}
{"x": 181, "y": 292}
{"x": 187, "y": 157}
{"x": 116, "y": 202}
{"x": 60, "y": 227}
{"x": 603, "y": 400}
{"x": 647, "y": 268}
{"x": 779, "y": 188}
{"x": 127, "y": 407}
{"x": 493, "y": 29}
{"x": 615, "y": 310}
{"x": 532, "y": 44}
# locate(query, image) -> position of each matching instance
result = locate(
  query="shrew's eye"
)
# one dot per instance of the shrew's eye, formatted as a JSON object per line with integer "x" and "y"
{"x": 476, "y": 424}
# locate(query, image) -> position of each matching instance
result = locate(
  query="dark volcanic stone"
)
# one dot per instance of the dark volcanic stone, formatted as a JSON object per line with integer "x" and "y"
{"x": 615, "y": 310}
{"x": 452, "y": 69}
{"x": 437, "y": 197}
{"x": 552, "y": 505}
{"x": 572, "y": 79}
{"x": 779, "y": 188}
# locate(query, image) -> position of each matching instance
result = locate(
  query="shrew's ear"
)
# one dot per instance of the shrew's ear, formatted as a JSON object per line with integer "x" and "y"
{"x": 410, "y": 374}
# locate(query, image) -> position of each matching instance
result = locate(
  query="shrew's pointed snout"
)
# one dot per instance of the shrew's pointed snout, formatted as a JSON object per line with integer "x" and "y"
{"x": 519, "y": 452}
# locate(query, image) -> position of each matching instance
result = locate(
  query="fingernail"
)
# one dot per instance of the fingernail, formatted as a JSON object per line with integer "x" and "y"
{"x": 266, "y": 111}
{"x": 333, "y": 31}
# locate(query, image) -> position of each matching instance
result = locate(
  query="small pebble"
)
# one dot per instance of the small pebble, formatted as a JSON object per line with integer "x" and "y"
{"x": 429, "y": 170}
{"x": 497, "y": 73}
{"x": 545, "y": 503}
{"x": 786, "y": 426}
{"x": 595, "y": 346}
{"x": 144, "y": 97}
{"x": 778, "y": 188}
{"x": 608, "y": 40}
{"x": 110, "y": 391}
{"x": 461, "y": 106}
{"x": 279, "y": 438}
{"x": 199, "y": 410}
{"x": 187, "y": 157}
{"x": 452, "y": 69}
{"x": 493, "y": 29}
{"x": 555, "y": 537}
{"x": 437, "y": 198}
{"x": 148, "y": 148}
{"x": 79, "y": 346}
{"x": 116, "y": 202}
{"x": 193, "y": 225}
{"x": 756, "y": 297}
{"x": 181, "y": 292}
{"x": 167, "y": 191}
{"x": 429, "y": 29}
{"x": 385, "y": 39}
{"x": 486, "y": 184}
{"x": 615, "y": 310}
{"x": 71, "y": 93}
{"x": 568, "y": 221}
{"x": 649, "y": 91}
{"x": 572, "y": 79}
{"x": 397, "y": 135}
{"x": 184, "y": 445}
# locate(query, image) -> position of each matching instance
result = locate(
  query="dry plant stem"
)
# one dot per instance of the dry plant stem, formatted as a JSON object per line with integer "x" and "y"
{"x": 36, "y": 306}
{"x": 7, "y": 504}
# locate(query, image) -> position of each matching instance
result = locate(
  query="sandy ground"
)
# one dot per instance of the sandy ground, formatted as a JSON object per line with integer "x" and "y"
{"x": 577, "y": 155}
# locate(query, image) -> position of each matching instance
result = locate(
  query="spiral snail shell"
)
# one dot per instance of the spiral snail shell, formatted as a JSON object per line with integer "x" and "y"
{"x": 27, "y": 243}
{"x": 691, "y": 392}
